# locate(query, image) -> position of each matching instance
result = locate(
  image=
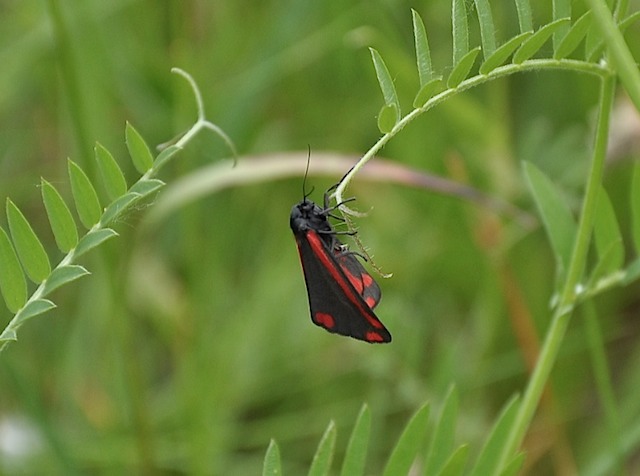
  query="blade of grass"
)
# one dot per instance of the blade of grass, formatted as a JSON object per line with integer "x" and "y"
{"x": 456, "y": 463}
{"x": 488, "y": 460}
{"x": 356, "y": 454}
{"x": 443, "y": 435}
{"x": 406, "y": 449}
{"x": 324, "y": 454}
{"x": 272, "y": 465}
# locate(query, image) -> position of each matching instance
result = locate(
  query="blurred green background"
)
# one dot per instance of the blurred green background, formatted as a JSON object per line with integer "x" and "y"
{"x": 190, "y": 347}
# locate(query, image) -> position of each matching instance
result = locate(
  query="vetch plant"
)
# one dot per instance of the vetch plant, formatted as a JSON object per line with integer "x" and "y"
{"x": 591, "y": 43}
{"x": 23, "y": 253}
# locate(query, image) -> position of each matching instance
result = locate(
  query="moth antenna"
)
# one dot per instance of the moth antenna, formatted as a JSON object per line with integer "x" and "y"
{"x": 306, "y": 172}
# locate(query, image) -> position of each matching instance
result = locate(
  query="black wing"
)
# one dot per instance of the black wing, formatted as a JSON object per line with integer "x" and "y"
{"x": 341, "y": 293}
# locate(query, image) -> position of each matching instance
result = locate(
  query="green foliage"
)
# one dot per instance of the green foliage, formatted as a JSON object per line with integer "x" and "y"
{"x": 324, "y": 454}
{"x": 410, "y": 441}
{"x": 443, "y": 439}
{"x": 272, "y": 465}
{"x": 84, "y": 195}
{"x": 30, "y": 250}
{"x": 355, "y": 457}
{"x": 112, "y": 177}
{"x": 555, "y": 213}
{"x": 188, "y": 350}
{"x": 62, "y": 224}
{"x": 390, "y": 112}
{"x": 12, "y": 280}
{"x": 440, "y": 459}
{"x": 34, "y": 259}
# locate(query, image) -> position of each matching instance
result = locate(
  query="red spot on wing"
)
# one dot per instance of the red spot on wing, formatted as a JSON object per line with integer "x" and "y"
{"x": 367, "y": 280}
{"x": 370, "y": 301}
{"x": 357, "y": 281}
{"x": 325, "y": 320}
{"x": 373, "y": 337}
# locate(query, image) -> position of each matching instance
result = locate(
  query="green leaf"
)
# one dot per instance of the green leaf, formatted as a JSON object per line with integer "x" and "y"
{"x": 387, "y": 118}
{"x": 423, "y": 54}
{"x": 461, "y": 70}
{"x": 272, "y": 465}
{"x": 112, "y": 176}
{"x": 524, "y": 15}
{"x": 443, "y": 435}
{"x": 29, "y": 248}
{"x": 574, "y": 36}
{"x": 138, "y": 150}
{"x": 514, "y": 466}
{"x": 607, "y": 233}
{"x": 533, "y": 44}
{"x": 500, "y": 55}
{"x": 456, "y": 463}
{"x": 63, "y": 275}
{"x": 84, "y": 195}
{"x": 405, "y": 451}
{"x": 139, "y": 190}
{"x": 429, "y": 90}
{"x": 32, "y": 309}
{"x": 7, "y": 336}
{"x": 62, "y": 224}
{"x": 93, "y": 239}
{"x": 556, "y": 215}
{"x": 146, "y": 187}
{"x": 324, "y": 454}
{"x": 487, "y": 29}
{"x": 164, "y": 156}
{"x": 488, "y": 460}
{"x": 561, "y": 9}
{"x": 12, "y": 281}
{"x": 386, "y": 83}
{"x": 118, "y": 207}
{"x": 460, "y": 28}
{"x": 356, "y": 454}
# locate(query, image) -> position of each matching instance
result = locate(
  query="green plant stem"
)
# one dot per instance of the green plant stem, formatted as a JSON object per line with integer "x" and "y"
{"x": 601, "y": 71}
{"x": 623, "y": 59}
{"x": 569, "y": 294}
